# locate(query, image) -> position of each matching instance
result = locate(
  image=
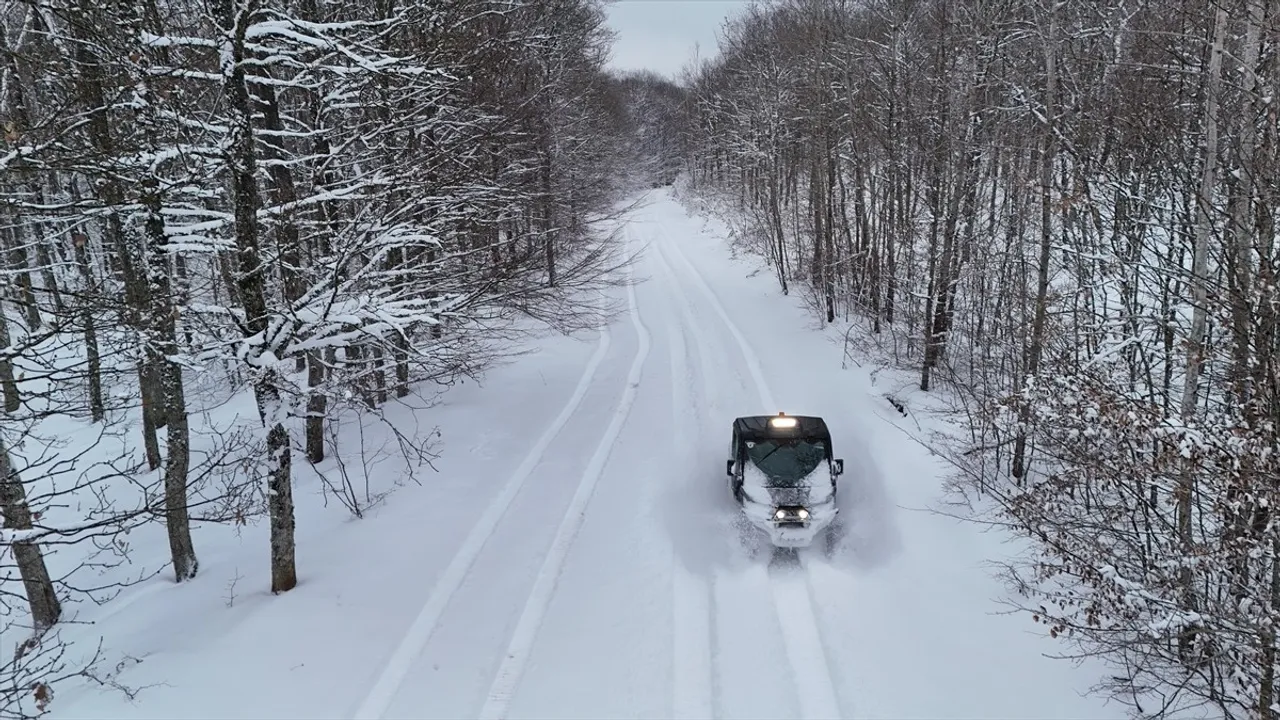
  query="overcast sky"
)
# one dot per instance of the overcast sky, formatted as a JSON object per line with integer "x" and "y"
{"x": 661, "y": 35}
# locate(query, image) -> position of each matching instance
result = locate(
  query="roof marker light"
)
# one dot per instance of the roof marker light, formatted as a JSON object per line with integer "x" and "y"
{"x": 782, "y": 421}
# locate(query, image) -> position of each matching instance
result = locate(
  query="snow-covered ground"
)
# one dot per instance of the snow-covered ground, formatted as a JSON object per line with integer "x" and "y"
{"x": 576, "y": 555}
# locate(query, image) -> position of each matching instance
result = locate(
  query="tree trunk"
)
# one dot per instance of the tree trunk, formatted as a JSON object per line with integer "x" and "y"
{"x": 775, "y": 221}
{"x": 829, "y": 272}
{"x": 324, "y": 216}
{"x": 1048, "y": 156}
{"x": 8, "y": 382}
{"x": 177, "y": 465}
{"x": 1186, "y": 487}
{"x": 548, "y": 216}
{"x": 284, "y": 194}
{"x": 926, "y": 365}
{"x": 401, "y": 352}
{"x": 1240, "y": 270}
{"x": 1267, "y": 684}
{"x": 21, "y": 269}
{"x": 317, "y": 402}
{"x": 171, "y": 391}
{"x": 93, "y": 357}
{"x": 379, "y": 365}
{"x": 45, "y": 260}
{"x": 42, "y": 596}
{"x": 92, "y": 94}
{"x": 234, "y": 18}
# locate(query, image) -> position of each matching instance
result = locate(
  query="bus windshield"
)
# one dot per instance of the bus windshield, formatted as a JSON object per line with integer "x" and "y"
{"x": 786, "y": 462}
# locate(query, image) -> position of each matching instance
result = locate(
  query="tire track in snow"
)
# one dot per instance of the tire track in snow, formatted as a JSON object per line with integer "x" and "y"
{"x": 516, "y": 657}
{"x": 793, "y": 600}
{"x": 720, "y": 586}
{"x": 397, "y": 667}
{"x": 748, "y": 355}
{"x": 687, "y": 317}
{"x": 729, "y": 616}
{"x": 693, "y": 677}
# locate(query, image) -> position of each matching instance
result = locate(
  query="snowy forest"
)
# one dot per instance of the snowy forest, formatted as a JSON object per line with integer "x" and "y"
{"x": 1059, "y": 215}
{"x": 1063, "y": 214}
{"x": 319, "y": 204}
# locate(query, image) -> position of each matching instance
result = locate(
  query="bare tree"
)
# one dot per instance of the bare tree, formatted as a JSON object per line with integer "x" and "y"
{"x": 1060, "y": 214}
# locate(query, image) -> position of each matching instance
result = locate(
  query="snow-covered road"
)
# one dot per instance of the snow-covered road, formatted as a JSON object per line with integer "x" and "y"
{"x": 577, "y": 555}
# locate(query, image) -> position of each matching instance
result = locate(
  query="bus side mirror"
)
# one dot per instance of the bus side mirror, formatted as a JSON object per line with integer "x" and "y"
{"x": 728, "y": 468}
{"x": 839, "y": 469}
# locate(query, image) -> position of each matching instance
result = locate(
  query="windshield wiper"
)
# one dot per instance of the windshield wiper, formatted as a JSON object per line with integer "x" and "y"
{"x": 766, "y": 457}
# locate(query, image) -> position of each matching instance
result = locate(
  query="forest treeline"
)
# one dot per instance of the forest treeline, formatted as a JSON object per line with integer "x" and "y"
{"x": 1064, "y": 213}
{"x": 1060, "y": 212}
{"x": 319, "y": 204}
